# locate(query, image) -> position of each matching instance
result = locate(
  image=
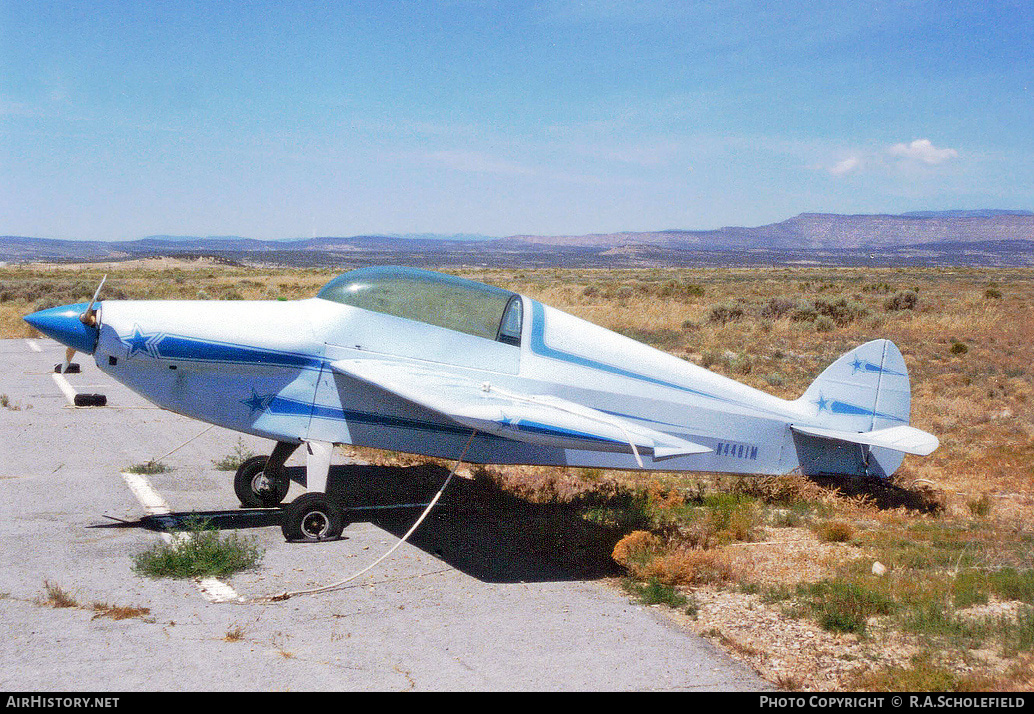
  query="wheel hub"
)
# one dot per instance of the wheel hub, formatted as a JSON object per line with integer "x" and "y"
{"x": 315, "y": 525}
{"x": 261, "y": 484}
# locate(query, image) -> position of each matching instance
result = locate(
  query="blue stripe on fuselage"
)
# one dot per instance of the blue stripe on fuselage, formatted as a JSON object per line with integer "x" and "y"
{"x": 198, "y": 350}
{"x": 284, "y": 406}
{"x": 539, "y": 347}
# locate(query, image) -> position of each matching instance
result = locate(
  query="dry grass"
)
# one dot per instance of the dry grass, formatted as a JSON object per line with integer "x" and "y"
{"x": 55, "y": 596}
{"x": 834, "y": 531}
{"x": 119, "y": 612}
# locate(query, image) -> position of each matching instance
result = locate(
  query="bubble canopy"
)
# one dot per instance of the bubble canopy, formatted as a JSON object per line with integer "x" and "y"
{"x": 432, "y": 298}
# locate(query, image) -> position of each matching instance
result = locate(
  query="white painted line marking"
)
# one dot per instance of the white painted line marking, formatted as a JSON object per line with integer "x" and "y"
{"x": 213, "y": 589}
{"x": 216, "y": 590}
{"x": 144, "y": 493}
{"x": 33, "y": 346}
{"x": 64, "y": 386}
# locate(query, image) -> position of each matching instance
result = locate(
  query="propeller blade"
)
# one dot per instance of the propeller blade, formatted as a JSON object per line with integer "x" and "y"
{"x": 89, "y": 316}
{"x": 69, "y": 354}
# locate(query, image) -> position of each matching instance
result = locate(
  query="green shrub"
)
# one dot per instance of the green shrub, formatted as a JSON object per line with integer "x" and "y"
{"x": 778, "y": 307}
{"x": 655, "y": 592}
{"x": 923, "y": 675}
{"x": 902, "y": 300}
{"x": 726, "y": 312}
{"x": 1012, "y": 584}
{"x": 678, "y": 289}
{"x": 1022, "y": 631}
{"x": 148, "y": 468}
{"x": 844, "y": 606}
{"x": 733, "y": 516}
{"x": 231, "y": 462}
{"x": 198, "y": 551}
{"x": 980, "y": 507}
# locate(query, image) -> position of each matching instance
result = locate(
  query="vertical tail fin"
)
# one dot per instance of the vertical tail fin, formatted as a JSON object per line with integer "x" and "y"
{"x": 865, "y": 390}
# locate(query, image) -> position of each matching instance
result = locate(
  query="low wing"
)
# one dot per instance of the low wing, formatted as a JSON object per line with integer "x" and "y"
{"x": 532, "y": 418}
{"x": 899, "y": 438}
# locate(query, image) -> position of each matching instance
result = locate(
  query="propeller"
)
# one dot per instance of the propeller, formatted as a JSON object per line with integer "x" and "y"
{"x": 89, "y": 318}
{"x": 69, "y": 354}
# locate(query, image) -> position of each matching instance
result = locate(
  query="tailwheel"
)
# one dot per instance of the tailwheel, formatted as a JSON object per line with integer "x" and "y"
{"x": 258, "y": 489}
{"x": 312, "y": 517}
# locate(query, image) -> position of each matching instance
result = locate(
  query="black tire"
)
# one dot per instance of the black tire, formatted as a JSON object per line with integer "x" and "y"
{"x": 253, "y": 490}
{"x": 311, "y": 518}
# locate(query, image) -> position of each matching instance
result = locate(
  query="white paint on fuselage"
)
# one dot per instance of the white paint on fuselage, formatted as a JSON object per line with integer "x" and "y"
{"x": 301, "y": 398}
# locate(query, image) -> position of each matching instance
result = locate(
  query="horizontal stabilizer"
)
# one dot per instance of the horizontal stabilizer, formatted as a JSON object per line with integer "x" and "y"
{"x": 906, "y": 439}
{"x": 685, "y": 449}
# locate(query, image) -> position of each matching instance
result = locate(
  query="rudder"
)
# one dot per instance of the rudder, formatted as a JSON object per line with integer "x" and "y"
{"x": 864, "y": 390}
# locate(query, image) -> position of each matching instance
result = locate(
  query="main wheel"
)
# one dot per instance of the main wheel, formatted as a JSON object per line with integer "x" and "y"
{"x": 312, "y": 517}
{"x": 257, "y": 489}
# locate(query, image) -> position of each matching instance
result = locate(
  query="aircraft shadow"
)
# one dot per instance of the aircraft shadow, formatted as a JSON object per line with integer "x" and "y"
{"x": 476, "y": 527}
{"x": 884, "y": 494}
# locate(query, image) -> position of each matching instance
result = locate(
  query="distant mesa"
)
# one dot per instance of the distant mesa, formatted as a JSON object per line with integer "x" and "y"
{"x": 989, "y": 236}
{"x": 826, "y": 231}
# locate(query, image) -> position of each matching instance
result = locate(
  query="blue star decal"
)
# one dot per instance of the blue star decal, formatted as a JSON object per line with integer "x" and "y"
{"x": 861, "y": 365}
{"x": 822, "y": 404}
{"x": 141, "y": 342}
{"x": 256, "y": 403}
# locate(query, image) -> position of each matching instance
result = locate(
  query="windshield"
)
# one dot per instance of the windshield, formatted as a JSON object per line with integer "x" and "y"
{"x": 433, "y": 298}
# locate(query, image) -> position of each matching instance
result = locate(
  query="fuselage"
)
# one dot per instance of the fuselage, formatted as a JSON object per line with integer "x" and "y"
{"x": 262, "y": 367}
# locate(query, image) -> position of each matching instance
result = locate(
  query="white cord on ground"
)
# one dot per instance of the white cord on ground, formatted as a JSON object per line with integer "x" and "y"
{"x": 339, "y": 583}
{"x": 205, "y": 431}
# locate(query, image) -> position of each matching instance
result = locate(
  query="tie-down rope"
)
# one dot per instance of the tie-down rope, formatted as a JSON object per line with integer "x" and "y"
{"x": 333, "y": 586}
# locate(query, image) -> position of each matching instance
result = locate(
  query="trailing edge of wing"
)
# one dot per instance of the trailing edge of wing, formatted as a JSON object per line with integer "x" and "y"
{"x": 899, "y": 438}
{"x": 532, "y": 418}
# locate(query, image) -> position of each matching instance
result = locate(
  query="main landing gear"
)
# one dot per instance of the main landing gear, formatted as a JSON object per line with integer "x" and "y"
{"x": 261, "y": 483}
{"x": 314, "y": 516}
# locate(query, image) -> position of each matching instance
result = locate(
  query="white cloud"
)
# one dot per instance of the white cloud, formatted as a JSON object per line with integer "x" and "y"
{"x": 845, "y": 166}
{"x": 869, "y": 160}
{"x": 922, "y": 150}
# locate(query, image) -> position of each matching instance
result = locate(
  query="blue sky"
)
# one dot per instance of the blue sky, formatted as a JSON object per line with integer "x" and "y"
{"x": 277, "y": 120}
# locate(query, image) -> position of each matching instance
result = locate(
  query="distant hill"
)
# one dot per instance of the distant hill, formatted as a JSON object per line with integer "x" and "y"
{"x": 979, "y": 213}
{"x": 827, "y": 231}
{"x": 988, "y": 236}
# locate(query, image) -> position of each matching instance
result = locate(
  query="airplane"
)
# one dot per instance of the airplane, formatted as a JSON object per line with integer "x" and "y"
{"x": 422, "y": 362}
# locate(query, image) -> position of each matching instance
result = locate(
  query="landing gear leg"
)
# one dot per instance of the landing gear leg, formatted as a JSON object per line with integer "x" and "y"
{"x": 260, "y": 481}
{"x": 314, "y": 517}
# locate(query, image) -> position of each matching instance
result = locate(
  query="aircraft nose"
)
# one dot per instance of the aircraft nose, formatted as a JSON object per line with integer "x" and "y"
{"x": 63, "y": 324}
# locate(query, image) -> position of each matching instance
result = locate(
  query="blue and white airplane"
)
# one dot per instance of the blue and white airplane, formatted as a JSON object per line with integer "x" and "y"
{"x": 421, "y": 362}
